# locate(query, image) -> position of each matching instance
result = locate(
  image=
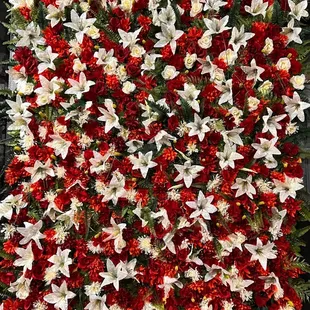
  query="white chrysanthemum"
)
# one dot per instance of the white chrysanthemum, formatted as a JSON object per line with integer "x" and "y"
{"x": 145, "y": 244}
{"x": 93, "y": 289}
{"x": 291, "y": 128}
{"x": 214, "y": 183}
{"x": 193, "y": 274}
{"x": 174, "y": 195}
{"x": 182, "y": 129}
{"x": 8, "y": 230}
{"x": 60, "y": 235}
{"x": 39, "y": 305}
{"x": 264, "y": 186}
{"x": 94, "y": 249}
{"x": 50, "y": 274}
{"x": 223, "y": 207}
{"x": 131, "y": 195}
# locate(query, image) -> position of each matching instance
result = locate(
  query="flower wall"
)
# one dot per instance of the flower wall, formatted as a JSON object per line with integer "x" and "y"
{"x": 153, "y": 167}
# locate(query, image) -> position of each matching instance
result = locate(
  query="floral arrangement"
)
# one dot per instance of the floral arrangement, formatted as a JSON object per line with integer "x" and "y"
{"x": 153, "y": 167}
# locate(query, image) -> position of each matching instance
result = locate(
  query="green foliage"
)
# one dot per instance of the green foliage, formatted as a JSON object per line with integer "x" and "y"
{"x": 102, "y": 23}
{"x": 277, "y": 14}
{"x": 186, "y": 110}
{"x": 302, "y": 288}
{"x": 234, "y": 13}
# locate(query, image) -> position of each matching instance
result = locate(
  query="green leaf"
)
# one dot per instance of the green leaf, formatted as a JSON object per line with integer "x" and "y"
{"x": 303, "y": 231}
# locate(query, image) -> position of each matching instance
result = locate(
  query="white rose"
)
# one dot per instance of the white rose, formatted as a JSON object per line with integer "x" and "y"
{"x": 283, "y": 64}
{"x": 122, "y": 73}
{"x": 266, "y": 87}
{"x": 84, "y": 6}
{"x": 169, "y": 73}
{"x": 190, "y": 60}
{"x": 205, "y": 41}
{"x": 196, "y": 8}
{"x": 237, "y": 114}
{"x": 137, "y": 51}
{"x": 128, "y": 87}
{"x": 126, "y": 5}
{"x": 110, "y": 67}
{"x": 268, "y": 48}
{"x": 25, "y": 88}
{"x": 298, "y": 81}
{"x": 93, "y": 32}
{"x": 253, "y": 103}
{"x": 218, "y": 76}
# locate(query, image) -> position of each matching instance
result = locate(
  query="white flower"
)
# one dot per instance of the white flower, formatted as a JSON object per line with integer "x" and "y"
{"x": 115, "y": 233}
{"x": 128, "y": 39}
{"x": 215, "y": 25}
{"x": 55, "y": 14}
{"x": 292, "y": 32}
{"x": 238, "y": 284}
{"x": 276, "y": 222}
{"x": 129, "y": 268}
{"x": 228, "y": 156}
{"x": 134, "y": 145}
{"x": 109, "y": 116}
{"x": 31, "y": 232}
{"x": 169, "y": 283}
{"x": 298, "y": 10}
{"x": 239, "y": 38}
{"x": 59, "y": 296}
{"x": 162, "y": 138}
{"x": 115, "y": 190}
{"x": 79, "y": 87}
{"x": 78, "y": 66}
{"x": 234, "y": 240}
{"x": 99, "y": 162}
{"x": 167, "y": 15}
{"x": 162, "y": 216}
{"x": 26, "y": 258}
{"x": 190, "y": 95}
{"x": 205, "y": 41}
{"x": 113, "y": 275}
{"x": 283, "y": 64}
{"x": 40, "y": 171}
{"x": 80, "y": 24}
{"x": 187, "y": 172}
{"x": 271, "y": 123}
{"x": 298, "y": 81}
{"x": 233, "y": 136}
{"x": 253, "y": 72}
{"x": 244, "y": 186}
{"x": 21, "y": 286}
{"x": 97, "y": 303}
{"x": 48, "y": 90}
{"x": 213, "y": 5}
{"x": 30, "y": 36}
{"x": 47, "y": 57}
{"x": 262, "y": 252}
{"x": 169, "y": 72}
{"x": 266, "y": 148}
{"x": 203, "y": 206}
{"x": 268, "y": 48}
{"x": 287, "y": 188}
{"x": 196, "y": 8}
{"x": 149, "y": 62}
{"x": 103, "y": 56}
{"x": 9, "y": 203}
{"x": 226, "y": 90}
{"x": 190, "y": 60}
{"x": 168, "y": 35}
{"x": 228, "y": 56}
{"x": 295, "y": 107}
{"x": 60, "y": 145}
{"x": 143, "y": 162}
{"x": 199, "y": 127}
{"x": 61, "y": 261}
{"x": 128, "y": 87}
{"x": 270, "y": 280}
{"x": 258, "y": 7}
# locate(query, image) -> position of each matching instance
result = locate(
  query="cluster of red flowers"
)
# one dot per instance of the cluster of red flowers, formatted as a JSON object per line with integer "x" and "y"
{"x": 152, "y": 169}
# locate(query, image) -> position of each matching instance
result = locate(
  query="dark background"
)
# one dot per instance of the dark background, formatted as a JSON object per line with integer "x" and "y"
{"x": 5, "y": 152}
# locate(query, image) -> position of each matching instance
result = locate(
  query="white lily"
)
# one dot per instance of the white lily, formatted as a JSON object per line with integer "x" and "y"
{"x": 262, "y": 252}
{"x": 167, "y": 15}
{"x": 31, "y": 35}
{"x": 213, "y": 5}
{"x": 80, "y": 24}
{"x": 295, "y": 107}
{"x": 216, "y": 26}
{"x": 226, "y": 90}
{"x": 128, "y": 39}
{"x": 287, "y": 188}
{"x": 203, "y": 206}
{"x": 228, "y": 156}
{"x": 114, "y": 274}
{"x": 31, "y": 232}
{"x": 239, "y": 38}
{"x": 143, "y": 162}
{"x": 97, "y": 303}
{"x": 169, "y": 283}
{"x": 162, "y": 216}
{"x": 134, "y": 145}
{"x": 292, "y": 32}
{"x": 103, "y": 56}
{"x": 168, "y": 35}
{"x": 47, "y": 91}
{"x": 233, "y": 136}
{"x": 99, "y": 162}
{"x": 253, "y": 72}
{"x": 79, "y": 87}
{"x": 276, "y": 222}
{"x": 47, "y": 58}
{"x": 244, "y": 186}
{"x": 26, "y": 258}
{"x": 190, "y": 94}
{"x": 266, "y": 148}
{"x": 271, "y": 123}
{"x": 21, "y": 287}
{"x": 61, "y": 261}
{"x": 187, "y": 172}
{"x": 270, "y": 280}
{"x": 199, "y": 127}
{"x": 115, "y": 190}
{"x": 40, "y": 171}
{"x": 59, "y": 296}
{"x": 258, "y": 7}
{"x": 10, "y": 203}
{"x": 109, "y": 116}
{"x": 116, "y": 233}
{"x": 55, "y": 14}
{"x": 149, "y": 62}
{"x": 298, "y": 10}
{"x": 60, "y": 145}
